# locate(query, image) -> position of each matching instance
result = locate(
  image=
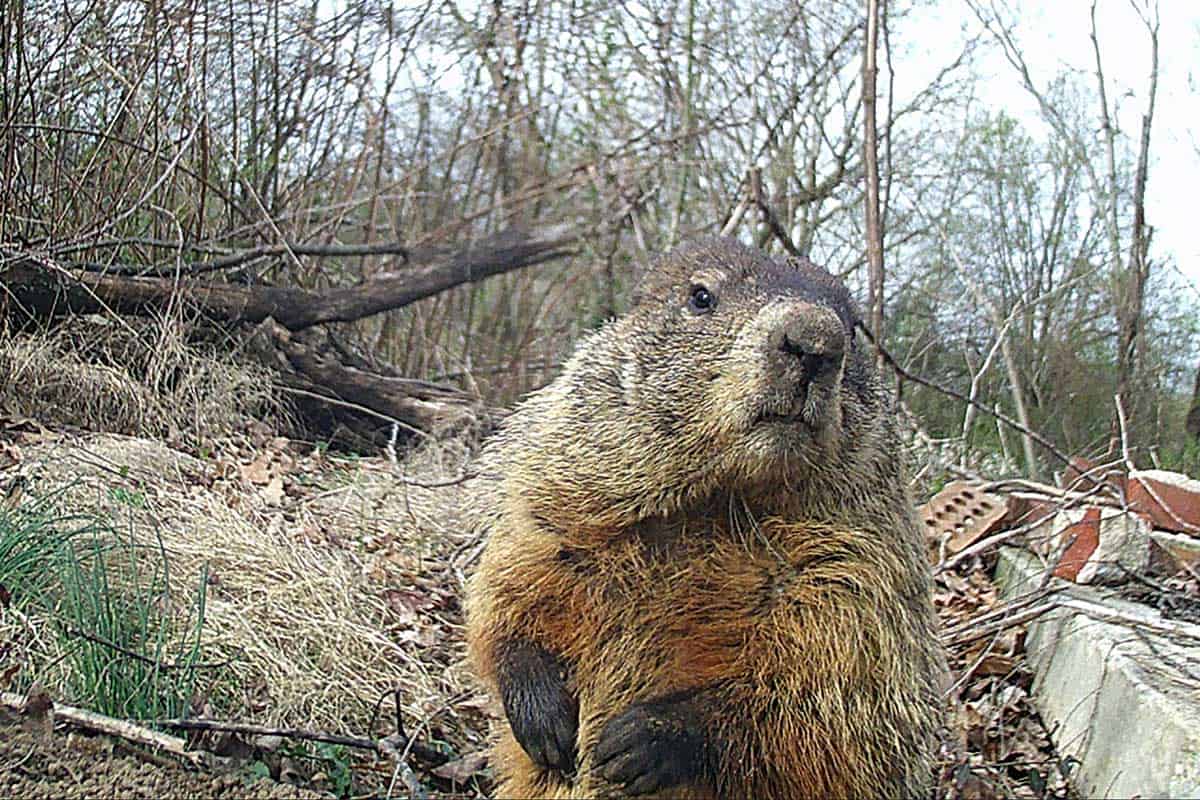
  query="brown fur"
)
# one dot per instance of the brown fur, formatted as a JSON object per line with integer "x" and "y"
{"x": 649, "y": 529}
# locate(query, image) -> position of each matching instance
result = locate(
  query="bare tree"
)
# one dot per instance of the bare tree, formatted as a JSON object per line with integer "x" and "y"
{"x": 1193, "y": 416}
{"x": 1106, "y": 182}
{"x": 1132, "y": 296}
{"x": 871, "y": 162}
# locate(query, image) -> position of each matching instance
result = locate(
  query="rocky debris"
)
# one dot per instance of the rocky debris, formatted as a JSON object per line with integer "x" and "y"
{"x": 1171, "y": 501}
{"x": 1116, "y": 681}
{"x": 1097, "y": 544}
{"x": 1102, "y": 526}
{"x": 1121, "y": 525}
{"x": 1171, "y": 551}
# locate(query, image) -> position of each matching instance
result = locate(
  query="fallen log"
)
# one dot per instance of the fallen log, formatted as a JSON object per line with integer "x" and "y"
{"x": 341, "y": 396}
{"x": 39, "y": 288}
{"x": 309, "y": 365}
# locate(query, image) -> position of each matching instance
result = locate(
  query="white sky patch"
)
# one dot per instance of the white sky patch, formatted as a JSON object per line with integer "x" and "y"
{"x": 1055, "y": 35}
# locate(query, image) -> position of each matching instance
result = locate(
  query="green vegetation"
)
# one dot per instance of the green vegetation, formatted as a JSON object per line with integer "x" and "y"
{"x": 124, "y": 650}
{"x": 31, "y": 541}
{"x": 338, "y": 758}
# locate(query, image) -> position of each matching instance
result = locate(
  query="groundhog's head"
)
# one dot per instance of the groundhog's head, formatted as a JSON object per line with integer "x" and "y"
{"x": 746, "y": 351}
{"x": 732, "y": 370}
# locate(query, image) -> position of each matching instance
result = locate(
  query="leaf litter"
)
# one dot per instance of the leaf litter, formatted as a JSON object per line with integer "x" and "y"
{"x": 335, "y": 586}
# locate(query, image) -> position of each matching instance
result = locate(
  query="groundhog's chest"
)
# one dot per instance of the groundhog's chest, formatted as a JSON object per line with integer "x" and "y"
{"x": 683, "y": 603}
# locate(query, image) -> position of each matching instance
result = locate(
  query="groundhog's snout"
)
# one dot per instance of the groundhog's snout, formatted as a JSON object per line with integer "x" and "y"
{"x": 812, "y": 341}
{"x": 803, "y": 347}
{"x": 814, "y": 363}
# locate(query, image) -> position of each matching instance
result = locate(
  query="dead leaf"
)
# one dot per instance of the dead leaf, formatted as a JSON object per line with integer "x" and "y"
{"x": 14, "y": 491}
{"x": 972, "y": 787}
{"x": 9, "y": 454}
{"x": 258, "y": 471}
{"x": 479, "y": 702}
{"x": 7, "y": 675}
{"x": 996, "y": 664}
{"x": 272, "y": 493}
{"x": 463, "y": 769}
{"x": 289, "y": 771}
{"x": 407, "y": 600}
{"x": 422, "y": 637}
{"x": 38, "y": 711}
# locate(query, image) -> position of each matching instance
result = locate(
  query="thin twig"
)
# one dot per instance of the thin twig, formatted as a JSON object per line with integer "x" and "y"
{"x": 153, "y": 662}
{"x": 1111, "y": 615}
{"x": 769, "y": 215}
{"x": 455, "y": 481}
{"x": 333, "y": 401}
{"x": 1008, "y": 608}
{"x": 424, "y": 752}
{"x": 983, "y": 631}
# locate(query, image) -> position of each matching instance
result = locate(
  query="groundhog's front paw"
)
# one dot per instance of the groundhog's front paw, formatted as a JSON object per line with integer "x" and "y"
{"x": 652, "y": 746}
{"x": 542, "y": 712}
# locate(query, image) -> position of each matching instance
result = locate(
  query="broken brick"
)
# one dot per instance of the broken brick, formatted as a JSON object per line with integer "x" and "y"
{"x": 963, "y": 514}
{"x": 1102, "y": 545}
{"x": 1081, "y": 538}
{"x": 1171, "y": 552}
{"x": 1170, "y": 499}
{"x": 1028, "y": 508}
{"x": 1081, "y": 475}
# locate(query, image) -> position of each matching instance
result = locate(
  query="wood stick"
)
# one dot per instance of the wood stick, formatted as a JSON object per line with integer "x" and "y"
{"x": 123, "y": 729}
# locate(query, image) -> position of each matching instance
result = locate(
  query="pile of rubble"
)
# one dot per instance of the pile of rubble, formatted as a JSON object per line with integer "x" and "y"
{"x": 1102, "y": 526}
{"x": 1069, "y": 613}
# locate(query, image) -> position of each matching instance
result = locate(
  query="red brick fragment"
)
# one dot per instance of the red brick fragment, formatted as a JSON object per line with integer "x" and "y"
{"x": 1086, "y": 535}
{"x": 1028, "y": 508}
{"x": 963, "y": 515}
{"x": 1171, "y": 500}
{"x": 1082, "y": 475}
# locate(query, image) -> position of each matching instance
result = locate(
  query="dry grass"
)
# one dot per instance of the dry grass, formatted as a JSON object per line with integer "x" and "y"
{"x": 324, "y": 597}
{"x": 140, "y": 377}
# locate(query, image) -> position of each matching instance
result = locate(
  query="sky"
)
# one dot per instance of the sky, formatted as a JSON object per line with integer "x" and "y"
{"x": 1056, "y": 34}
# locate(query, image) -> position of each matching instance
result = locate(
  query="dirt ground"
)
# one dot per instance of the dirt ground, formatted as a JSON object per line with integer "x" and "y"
{"x": 332, "y": 586}
{"x": 69, "y": 764}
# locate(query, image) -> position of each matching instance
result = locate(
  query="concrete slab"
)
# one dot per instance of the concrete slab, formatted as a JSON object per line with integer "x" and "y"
{"x": 1170, "y": 552}
{"x": 1118, "y": 686}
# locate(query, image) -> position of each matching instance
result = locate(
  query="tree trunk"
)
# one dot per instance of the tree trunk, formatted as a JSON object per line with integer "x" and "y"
{"x": 1132, "y": 296}
{"x": 1192, "y": 424}
{"x": 871, "y": 161}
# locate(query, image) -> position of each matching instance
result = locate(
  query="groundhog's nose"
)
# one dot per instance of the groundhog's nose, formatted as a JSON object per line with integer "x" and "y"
{"x": 815, "y": 337}
{"x": 813, "y": 364}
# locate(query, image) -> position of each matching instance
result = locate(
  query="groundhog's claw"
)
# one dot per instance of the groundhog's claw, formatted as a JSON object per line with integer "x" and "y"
{"x": 542, "y": 712}
{"x": 650, "y": 747}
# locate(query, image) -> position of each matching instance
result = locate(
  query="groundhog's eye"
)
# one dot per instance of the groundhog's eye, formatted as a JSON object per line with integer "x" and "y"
{"x": 702, "y": 300}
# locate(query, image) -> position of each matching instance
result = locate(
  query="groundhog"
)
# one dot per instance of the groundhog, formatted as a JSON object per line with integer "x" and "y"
{"x": 704, "y": 577}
